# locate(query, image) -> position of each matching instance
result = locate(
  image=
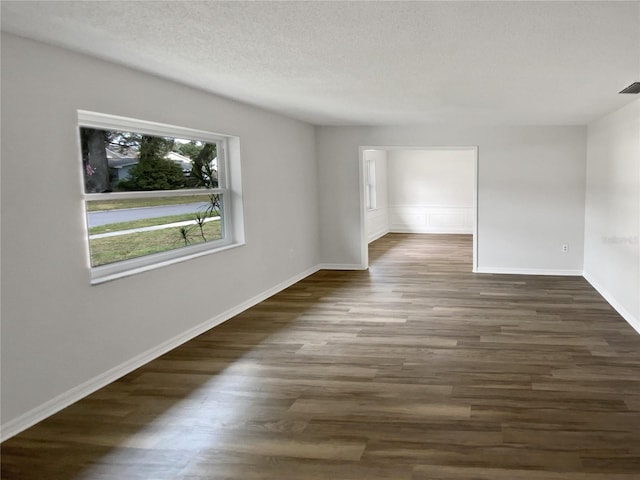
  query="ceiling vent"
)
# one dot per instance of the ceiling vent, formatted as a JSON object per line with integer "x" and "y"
{"x": 633, "y": 88}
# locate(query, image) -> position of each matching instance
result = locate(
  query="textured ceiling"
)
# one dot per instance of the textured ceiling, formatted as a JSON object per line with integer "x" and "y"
{"x": 368, "y": 63}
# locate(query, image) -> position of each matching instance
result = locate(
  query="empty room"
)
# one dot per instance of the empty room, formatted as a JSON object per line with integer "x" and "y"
{"x": 320, "y": 240}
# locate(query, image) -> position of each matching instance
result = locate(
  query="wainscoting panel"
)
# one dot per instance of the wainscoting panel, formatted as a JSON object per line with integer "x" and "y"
{"x": 430, "y": 219}
{"x": 377, "y": 223}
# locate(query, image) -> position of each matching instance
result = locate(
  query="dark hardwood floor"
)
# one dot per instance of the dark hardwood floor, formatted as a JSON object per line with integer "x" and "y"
{"x": 416, "y": 369}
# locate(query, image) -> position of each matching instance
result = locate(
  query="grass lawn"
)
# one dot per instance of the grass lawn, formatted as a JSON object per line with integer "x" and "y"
{"x": 123, "y": 247}
{"x": 98, "y": 205}
{"x": 144, "y": 222}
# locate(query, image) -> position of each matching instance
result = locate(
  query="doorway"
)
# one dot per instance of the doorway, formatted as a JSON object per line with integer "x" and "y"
{"x": 418, "y": 190}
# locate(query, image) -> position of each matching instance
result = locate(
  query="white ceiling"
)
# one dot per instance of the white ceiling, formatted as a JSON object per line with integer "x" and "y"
{"x": 368, "y": 63}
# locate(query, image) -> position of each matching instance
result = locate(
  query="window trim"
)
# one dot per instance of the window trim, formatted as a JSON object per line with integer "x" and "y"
{"x": 370, "y": 185}
{"x": 230, "y": 187}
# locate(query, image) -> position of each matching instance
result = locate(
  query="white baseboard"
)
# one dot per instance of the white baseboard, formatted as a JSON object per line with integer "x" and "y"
{"x": 340, "y": 266}
{"x": 529, "y": 271}
{"x": 379, "y": 234}
{"x": 65, "y": 399}
{"x": 434, "y": 230}
{"x": 624, "y": 313}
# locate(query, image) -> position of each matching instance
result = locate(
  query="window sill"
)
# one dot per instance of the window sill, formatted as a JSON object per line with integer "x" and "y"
{"x": 99, "y": 275}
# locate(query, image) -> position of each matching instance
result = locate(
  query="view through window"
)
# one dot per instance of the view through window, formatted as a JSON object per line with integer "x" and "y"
{"x": 148, "y": 194}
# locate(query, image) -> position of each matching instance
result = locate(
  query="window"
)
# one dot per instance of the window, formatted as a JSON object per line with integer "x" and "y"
{"x": 370, "y": 180}
{"x": 155, "y": 194}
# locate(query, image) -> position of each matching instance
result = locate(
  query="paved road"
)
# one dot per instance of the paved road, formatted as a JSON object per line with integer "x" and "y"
{"x": 96, "y": 219}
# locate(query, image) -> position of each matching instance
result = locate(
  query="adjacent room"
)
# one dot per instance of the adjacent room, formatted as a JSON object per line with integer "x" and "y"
{"x": 309, "y": 240}
{"x": 429, "y": 191}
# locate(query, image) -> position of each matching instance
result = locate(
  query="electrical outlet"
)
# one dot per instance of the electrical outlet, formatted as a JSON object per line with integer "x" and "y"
{"x": 565, "y": 248}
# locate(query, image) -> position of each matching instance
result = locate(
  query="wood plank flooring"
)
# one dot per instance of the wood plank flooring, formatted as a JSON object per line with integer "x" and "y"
{"x": 416, "y": 369}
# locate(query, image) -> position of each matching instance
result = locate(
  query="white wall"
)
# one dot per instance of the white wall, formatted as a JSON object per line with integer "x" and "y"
{"x": 431, "y": 191}
{"x": 612, "y": 215}
{"x": 530, "y": 198}
{"x": 60, "y": 335}
{"x": 377, "y": 219}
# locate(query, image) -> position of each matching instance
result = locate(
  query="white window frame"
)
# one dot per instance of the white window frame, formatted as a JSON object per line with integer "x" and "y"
{"x": 370, "y": 184}
{"x": 229, "y": 188}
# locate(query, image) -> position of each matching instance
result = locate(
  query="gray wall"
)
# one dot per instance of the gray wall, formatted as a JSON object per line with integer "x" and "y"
{"x": 530, "y": 199}
{"x": 59, "y": 332}
{"x": 612, "y": 218}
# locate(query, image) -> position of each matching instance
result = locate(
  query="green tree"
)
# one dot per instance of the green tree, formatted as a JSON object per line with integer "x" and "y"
{"x": 202, "y": 174}
{"x": 191, "y": 149}
{"x": 154, "y": 147}
{"x": 153, "y": 171}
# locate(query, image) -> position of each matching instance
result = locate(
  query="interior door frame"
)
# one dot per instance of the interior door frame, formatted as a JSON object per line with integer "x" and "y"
{"x": 364, "y": 245}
